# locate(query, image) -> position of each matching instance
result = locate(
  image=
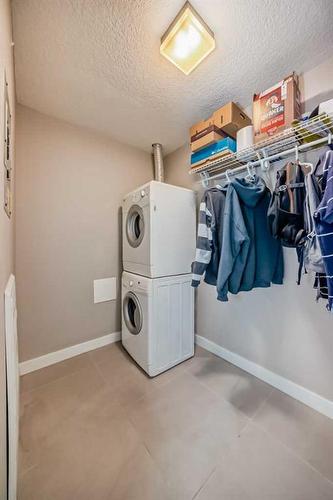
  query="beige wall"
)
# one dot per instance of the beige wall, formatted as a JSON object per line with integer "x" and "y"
{"x": 70, "y": 184}
{"x": 177, "y": 166}
{"x": 6, "y": 225}
{"x": 281, "y": 328}
{"x": 316, "y": 85}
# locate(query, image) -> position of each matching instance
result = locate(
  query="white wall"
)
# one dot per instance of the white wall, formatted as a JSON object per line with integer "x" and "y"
{"x": 281, "y": 328}
{"x": 70, "y": 185}
{"x": 6, "y": 225}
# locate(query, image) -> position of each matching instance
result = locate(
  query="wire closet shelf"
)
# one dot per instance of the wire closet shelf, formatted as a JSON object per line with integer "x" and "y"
{"x": 304, "y": 136}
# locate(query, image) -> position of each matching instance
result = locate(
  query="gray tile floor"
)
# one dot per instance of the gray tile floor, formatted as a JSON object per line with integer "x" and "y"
{"x": 96, "y": 427}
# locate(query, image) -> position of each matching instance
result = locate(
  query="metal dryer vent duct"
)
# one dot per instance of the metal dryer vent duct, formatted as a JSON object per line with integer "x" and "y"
{"x": 158, "y": 162}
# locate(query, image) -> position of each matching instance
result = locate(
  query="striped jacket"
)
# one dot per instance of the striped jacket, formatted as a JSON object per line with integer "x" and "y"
{"x": 209, "y": 239}
{"x": 324, "y": 224}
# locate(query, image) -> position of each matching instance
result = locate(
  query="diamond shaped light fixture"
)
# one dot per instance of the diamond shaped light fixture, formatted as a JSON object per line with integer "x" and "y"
{"x": 188, "y": 40}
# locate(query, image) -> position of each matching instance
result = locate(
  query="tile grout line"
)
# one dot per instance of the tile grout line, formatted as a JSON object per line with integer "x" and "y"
{"x": 146, "y": 446}
{"x": 262, "y": 404}
{"x": 165, "y": 481}
{"x": 100, "y": 373}
{"x": 293, "y": 453}
{"x": 248, "y": 420}
{"x": 97, "y": 366}
{"x": 251, "y": 420}
{"x": 91, "y": 361}
{"x": 56, "y": 379}
{"x": 205, "y": 482}
{"x": 90, "y": 365}
{"x": 162, "y": 472}
{"x": 27, "y": 471}
{"x": 216, "y": 394}
{"x": 291, "y": 450}
{"x": 272, "y": 389}
{"x": 127, "y": 416}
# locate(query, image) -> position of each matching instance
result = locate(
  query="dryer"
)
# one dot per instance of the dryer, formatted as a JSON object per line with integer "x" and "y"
{"x": 157, "y": 320}
{"x": 159, "y": 230}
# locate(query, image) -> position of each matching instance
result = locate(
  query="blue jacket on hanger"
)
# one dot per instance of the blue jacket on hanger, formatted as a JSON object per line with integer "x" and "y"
{"x": 235, "y": 248}
{"x": 250, "y": 257}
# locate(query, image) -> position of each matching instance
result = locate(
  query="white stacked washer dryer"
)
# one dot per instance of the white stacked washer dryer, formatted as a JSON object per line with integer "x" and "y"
{"x": 157, "y": 297}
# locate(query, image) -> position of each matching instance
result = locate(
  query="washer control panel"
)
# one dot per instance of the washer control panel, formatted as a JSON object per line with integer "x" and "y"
{"x": 136, "y": 283}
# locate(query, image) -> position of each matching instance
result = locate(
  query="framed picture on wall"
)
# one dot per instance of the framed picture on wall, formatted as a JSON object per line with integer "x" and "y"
{"x": 7, "y": 152}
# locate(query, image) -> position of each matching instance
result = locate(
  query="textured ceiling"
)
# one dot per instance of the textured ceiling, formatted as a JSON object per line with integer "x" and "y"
{"x": 96, "y": 63}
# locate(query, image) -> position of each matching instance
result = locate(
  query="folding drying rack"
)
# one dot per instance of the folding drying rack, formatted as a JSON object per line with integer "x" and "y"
{"x": 304, "y": 136}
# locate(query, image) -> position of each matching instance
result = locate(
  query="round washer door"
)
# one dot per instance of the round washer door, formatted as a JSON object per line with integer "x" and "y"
{"x": 132, "y": 312}
{"x": 135, "y": 226}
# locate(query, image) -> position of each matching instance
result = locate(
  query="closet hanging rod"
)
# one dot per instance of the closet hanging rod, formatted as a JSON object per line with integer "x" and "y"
{"x": 257, "y": 163}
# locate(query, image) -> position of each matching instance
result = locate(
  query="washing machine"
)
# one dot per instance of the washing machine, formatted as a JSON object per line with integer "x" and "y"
{"x": 159, "y": 230}
{"x": 157, "y": 320}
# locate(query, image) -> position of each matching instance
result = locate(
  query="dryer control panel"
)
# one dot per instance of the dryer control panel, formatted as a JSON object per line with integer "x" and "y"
{"x": 139, "y": 195}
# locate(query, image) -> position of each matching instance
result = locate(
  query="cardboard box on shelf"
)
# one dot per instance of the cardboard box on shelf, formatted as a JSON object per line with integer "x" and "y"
{"x": 214, "y": 151}
{"x": 230, "y": 118}
{"x": 225, "y": 122}
{"x": 200, "y": 128}
{"x": 276, "y": 108}
{"x": 207, "y": 136}
{"x": 207, "y": 161}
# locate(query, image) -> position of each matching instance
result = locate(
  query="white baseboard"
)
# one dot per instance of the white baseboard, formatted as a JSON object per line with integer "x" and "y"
{"x": 69, "y": 352}
{"x": 305, "y": 396}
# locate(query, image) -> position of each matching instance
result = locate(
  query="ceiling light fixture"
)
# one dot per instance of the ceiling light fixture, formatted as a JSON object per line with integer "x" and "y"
{"x": 188, "y": 40}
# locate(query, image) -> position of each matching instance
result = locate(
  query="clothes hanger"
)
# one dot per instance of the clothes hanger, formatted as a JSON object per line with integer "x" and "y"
{"x": 289, "y": 174}
{"x": 227, "y": 175}
{"x": 250, "y": 173}
{"x": 328, "y": 152}
{"x": 304, "y": 163}
{"x": 264, "y": 163}
{"x": 265, "y": 170}
{"x": 307, "y": 164}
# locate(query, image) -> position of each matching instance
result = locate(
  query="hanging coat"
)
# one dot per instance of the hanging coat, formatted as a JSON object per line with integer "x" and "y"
{"x": 235, "y": 249}
{"x": 209, "y": 239}
{"x": 259, "y": 261}
{"x": 324, "y": 224}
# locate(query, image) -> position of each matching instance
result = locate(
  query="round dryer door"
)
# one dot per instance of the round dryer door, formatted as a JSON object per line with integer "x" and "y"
{"x": 132, "y": 313}
{"x": 135, "y": 226}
